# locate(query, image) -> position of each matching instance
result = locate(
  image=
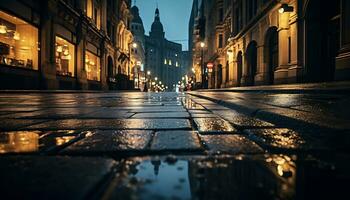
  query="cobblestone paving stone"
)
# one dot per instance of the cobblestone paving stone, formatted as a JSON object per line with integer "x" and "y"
{"x": 130, "y": 145}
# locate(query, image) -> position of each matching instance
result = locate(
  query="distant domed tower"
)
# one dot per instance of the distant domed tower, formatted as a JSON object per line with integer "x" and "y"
{"x": 157, "y": 30}
{"x": 136, "y": 23}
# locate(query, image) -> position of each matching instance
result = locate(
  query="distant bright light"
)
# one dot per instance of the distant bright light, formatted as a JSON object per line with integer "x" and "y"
{"x": 148, "y": 72}
{"x": 156, "y": 78}
{"x": 202, "y": 44}
{"x": 134, "y": 45}
{"x": 281, "y": 10}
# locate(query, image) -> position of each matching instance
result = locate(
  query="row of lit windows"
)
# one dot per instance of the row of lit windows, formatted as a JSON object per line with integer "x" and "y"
{"x": 19, "y": 47}
{"x": 169, "y": 62}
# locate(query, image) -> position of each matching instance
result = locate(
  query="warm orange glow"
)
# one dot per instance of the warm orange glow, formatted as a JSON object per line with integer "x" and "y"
{"x": 92, "y": 66}
{"x": 19, "y": 42}
{"x": 19, "y": 142}
{"x": 65, "y": 57}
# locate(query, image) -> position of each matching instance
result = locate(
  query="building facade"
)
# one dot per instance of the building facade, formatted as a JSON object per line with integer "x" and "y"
{"x": 262, "y": 42}
{"x": 163, "y": 57}
{"x": 138, "y": 51}
{"x": 64, "y": 44}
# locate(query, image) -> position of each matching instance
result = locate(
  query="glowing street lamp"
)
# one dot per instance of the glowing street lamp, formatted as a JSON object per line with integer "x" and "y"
{"x": 285, "y": 8}
{"x": 148, "y": 73}
{"x": 156, "y": 78}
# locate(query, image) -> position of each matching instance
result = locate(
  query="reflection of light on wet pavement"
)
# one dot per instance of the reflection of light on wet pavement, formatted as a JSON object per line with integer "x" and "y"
{"x": 213, "y": 125}
{"x": 63, "y": 140}
{"x": 161, "y": 179}
{"x": 19, "y": 142}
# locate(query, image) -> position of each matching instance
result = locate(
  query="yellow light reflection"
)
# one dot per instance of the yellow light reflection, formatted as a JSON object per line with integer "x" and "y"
{"x": 19, "y": 142}
{"x": 62, "y": 140}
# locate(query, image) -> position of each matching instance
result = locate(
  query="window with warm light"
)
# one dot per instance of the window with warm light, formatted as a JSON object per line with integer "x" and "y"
{"x": 92, "y": 66}
{"x": 165, "y": 62}
{"x": 177, "y": 64}
{"x": 170, "y": 62}
{"x": 65, "y": 57}
{"x": 19, "y": 44}
{"x": 93, "y": 11}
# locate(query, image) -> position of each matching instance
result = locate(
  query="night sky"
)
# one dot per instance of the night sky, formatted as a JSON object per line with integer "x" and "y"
{"x": 174, "y": 15}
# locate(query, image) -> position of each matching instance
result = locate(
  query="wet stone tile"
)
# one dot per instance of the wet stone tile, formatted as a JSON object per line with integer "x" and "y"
{"x": 199, "y": 111}
{"x": 111, "y": 141}
{"x": 215, "y": 107}
{"x": 243, "y": 121}
{"x": 107, "y": 114}
{"x": 234, "y": 144}
{"x": 290, "y": 139}
{"x": 19, "y": 109}
{"x": 213, "y": 125}
{"x": 161, "y": 115}
{"x": 176, "y": 140}
{"x": 109, "y": 124}
{"x": 282, "y": 138}
{"x": 159, "y": 109}
{"x": 14, "y": 124}
{"x": 41, "y": 177}
{"x": 203, "y": 115}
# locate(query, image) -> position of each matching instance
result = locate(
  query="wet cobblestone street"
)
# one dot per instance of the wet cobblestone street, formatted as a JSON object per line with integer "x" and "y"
{"x": 173, "y": 146}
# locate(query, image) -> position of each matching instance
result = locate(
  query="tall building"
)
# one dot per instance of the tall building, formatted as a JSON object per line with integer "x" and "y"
{"x": 138, "y": 52}
{"x": 64, "y": 44}
{"x": 163, "y": 57}
{"x": 260, "y": 42}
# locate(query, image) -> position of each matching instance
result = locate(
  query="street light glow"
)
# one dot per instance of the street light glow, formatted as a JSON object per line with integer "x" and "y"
{"x": 134, "y": 45}
{"x": 156, "y": 78}
{"x": 202, "y": 44}
{"x": 148, "y": 72}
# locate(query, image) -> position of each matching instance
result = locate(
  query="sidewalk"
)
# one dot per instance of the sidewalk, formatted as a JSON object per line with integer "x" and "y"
{"x": 312, "y": 105}
{"x": 327, "y": 87}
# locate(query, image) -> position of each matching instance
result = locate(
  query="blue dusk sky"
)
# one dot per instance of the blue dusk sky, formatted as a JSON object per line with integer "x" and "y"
{"x": 174, "y": 15}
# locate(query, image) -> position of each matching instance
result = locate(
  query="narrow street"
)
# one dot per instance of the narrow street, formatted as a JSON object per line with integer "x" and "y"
{"x": 195, "y": 145}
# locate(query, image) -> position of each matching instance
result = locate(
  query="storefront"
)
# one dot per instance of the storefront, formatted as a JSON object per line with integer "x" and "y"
{"x": 19, "y": 42}
{"x": 92, "y": 66}
{"x": 19, "y": 51}
{"x": 65, "y": 57}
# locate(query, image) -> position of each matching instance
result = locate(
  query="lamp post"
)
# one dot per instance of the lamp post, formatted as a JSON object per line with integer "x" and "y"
{"x": 149, "y": 80}
{"x": 202, "y": 44}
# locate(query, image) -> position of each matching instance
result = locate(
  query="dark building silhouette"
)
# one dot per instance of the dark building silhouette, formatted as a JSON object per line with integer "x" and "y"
{"x": 163, "y": 57}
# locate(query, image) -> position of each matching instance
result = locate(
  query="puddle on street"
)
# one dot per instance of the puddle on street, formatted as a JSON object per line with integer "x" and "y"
{"x": 188, "y": 103}
{"x": 225, "y": 177}
{"x": 33, "y": 141}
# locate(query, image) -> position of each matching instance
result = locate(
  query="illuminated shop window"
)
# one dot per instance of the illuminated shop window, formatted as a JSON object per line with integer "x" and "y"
{"x": 65, "y": 57}
{"x": 19, "y": 44}
{"x": 92, "y": 66}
